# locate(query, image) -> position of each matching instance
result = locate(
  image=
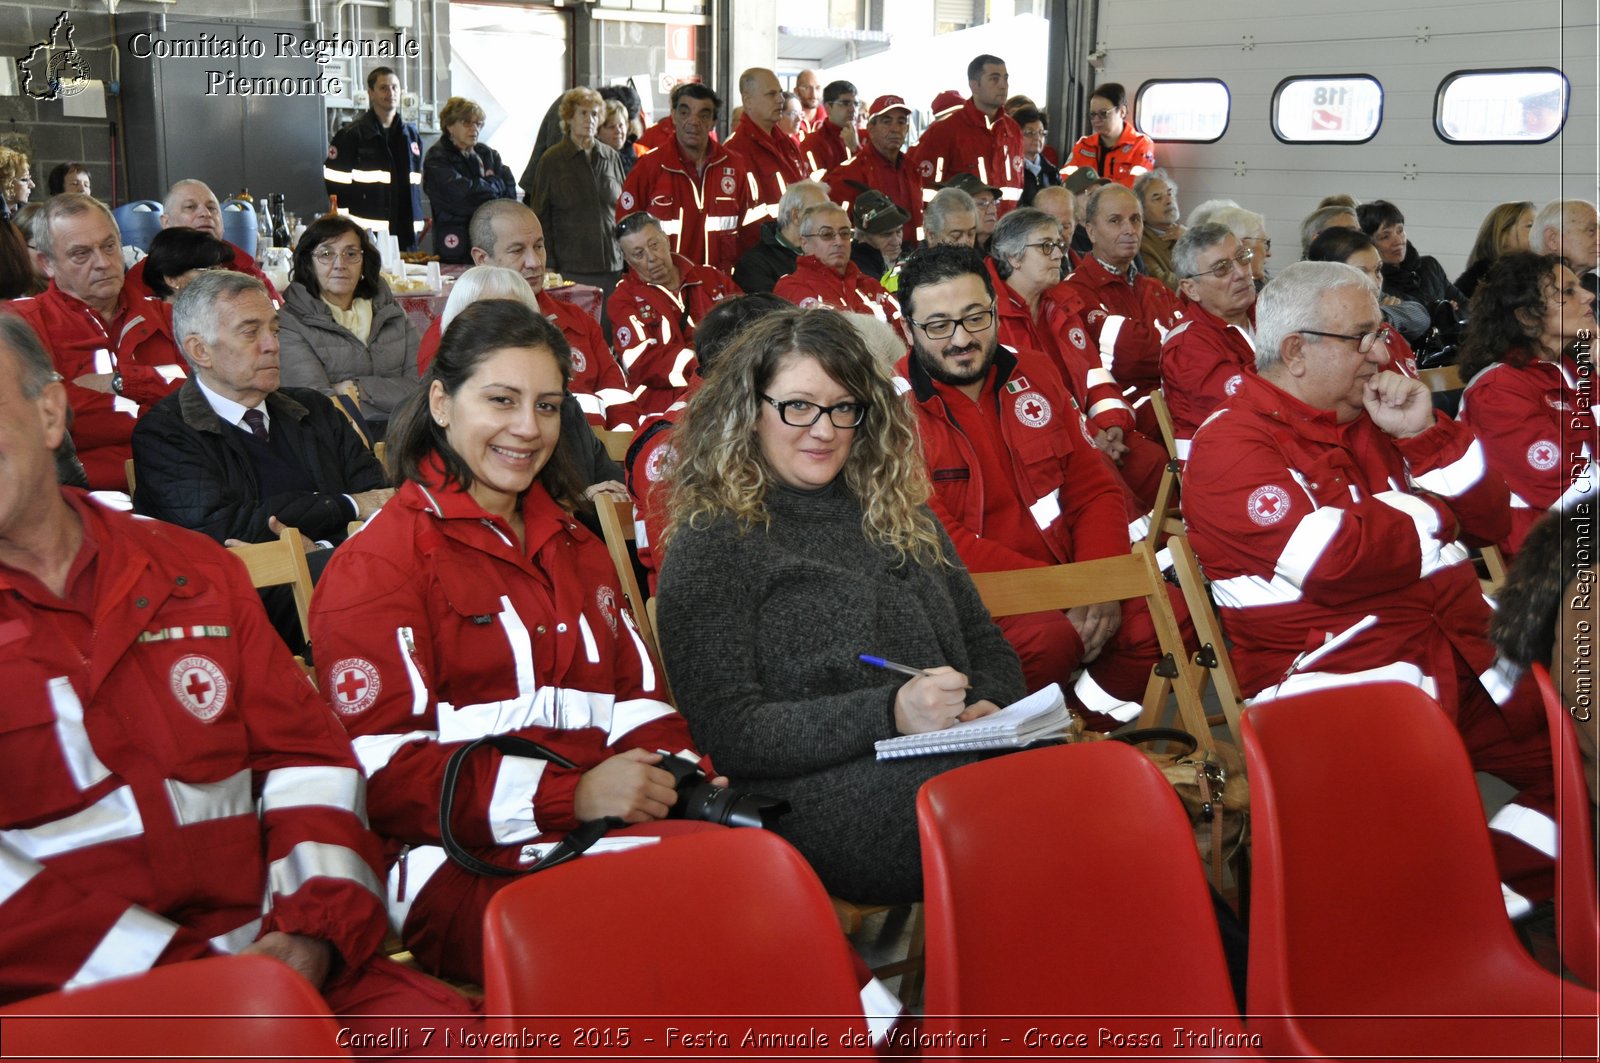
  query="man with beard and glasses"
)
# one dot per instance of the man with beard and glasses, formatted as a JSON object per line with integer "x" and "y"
{"x": 1018, "y": 483}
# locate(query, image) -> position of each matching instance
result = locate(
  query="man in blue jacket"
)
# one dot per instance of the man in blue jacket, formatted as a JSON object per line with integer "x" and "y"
{"x": 374, "y": 165}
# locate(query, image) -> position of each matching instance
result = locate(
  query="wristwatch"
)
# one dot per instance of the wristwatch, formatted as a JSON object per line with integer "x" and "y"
{"x": 116, "y": 381}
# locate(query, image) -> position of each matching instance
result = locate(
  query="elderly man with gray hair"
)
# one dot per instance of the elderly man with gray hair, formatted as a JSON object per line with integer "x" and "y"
{"x": 950, "y": 217}
{"x": 1158, "y": 195}
{"x": 1570, "y": 228}
{"x": 769, "y": 261}
{"x": 1205, "y": 357}
{"x": 232, "y": 454}
{"x": 1324, "y": 502}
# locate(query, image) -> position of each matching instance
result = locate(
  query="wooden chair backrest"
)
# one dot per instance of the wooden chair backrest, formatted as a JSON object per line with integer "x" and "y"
{"x": 617, "y": 442}
{"x": 278, "y": 563}
{"x": 616, "y": 525}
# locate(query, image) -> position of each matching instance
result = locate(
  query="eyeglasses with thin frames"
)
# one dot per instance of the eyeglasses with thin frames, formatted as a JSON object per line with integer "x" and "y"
{"x": 1221, "y": 269}
{"x": 1101, "y": 116}
{"x": 1364, "y": 341}
{"x": 1051, "y": 248}
{"x": 827, "y": 236}
{"x": 326, "y": 255}
{"x": 945, "y": 327}
{"x": 798, "y": 413}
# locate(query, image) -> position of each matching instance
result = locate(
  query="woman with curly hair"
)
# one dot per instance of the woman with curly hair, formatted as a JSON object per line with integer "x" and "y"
{"x": 798, "y": 538}
{"x": 1505, "y": 229}
{"x": 16, "y": 181}
{"x": 1530, "y": 385}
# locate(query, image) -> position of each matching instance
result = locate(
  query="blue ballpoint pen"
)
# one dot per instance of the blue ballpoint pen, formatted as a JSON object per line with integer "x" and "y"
{"x": 879, "y": 662}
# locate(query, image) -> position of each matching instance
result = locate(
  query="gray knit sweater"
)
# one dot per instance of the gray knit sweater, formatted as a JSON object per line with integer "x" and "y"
{"x": 761, "y": 633}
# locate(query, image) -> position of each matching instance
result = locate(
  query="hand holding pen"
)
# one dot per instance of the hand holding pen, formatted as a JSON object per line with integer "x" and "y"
{"x": 933, "y": 699}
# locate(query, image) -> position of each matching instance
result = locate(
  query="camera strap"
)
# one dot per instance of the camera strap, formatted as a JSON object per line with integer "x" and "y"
{"x": 569, "y": 847}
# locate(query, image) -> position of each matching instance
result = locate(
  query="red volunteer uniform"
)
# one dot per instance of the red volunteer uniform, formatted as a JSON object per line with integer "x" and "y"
{"x": 1127, "y": 316}
{"x": 597, "y": 381}
{"x": 133, "y": 281}
{"x": 773, "y": 160}
{"x": 813, "y": 284}
{"x": 824, "y": 148}
{"x": 1061, "y": 335}
{"x": 896, "y": 179}
{"x": 1131, "y": 156}
{"x": 701, "y": 210}
{"x": 1018, "y": 484}
{"x": 1538, "y": 431}
{"x": 1332, "y": 555}
{"x": 653, "y": 331}
{"x": 434, "y": 629}
{"x": 137, "y": 343}
{"x": 1204, "y": 359}
{"x": 170, "y": 771}
{"x": 968, "y": 141}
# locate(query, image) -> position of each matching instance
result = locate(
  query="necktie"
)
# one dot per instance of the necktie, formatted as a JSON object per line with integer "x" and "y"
{"x": 256, "y": 422}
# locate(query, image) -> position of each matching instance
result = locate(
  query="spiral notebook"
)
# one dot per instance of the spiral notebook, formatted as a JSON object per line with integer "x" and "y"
{"x": 1042, "y": 714}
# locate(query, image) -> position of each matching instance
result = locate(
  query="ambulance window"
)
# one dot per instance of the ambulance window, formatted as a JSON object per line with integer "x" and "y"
{"x": 1194, "y": 111}
{"x": 1501, "y": 106}
{"x": 1333, "y": 109}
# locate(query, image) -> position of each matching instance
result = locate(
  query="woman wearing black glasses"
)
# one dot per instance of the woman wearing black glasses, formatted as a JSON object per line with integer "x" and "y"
{"x": 1113, "y": 148}
{"x": 798, "y": 539}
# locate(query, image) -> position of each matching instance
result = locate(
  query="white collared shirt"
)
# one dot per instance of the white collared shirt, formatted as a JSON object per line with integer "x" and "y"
{"x": 230, "y": 411}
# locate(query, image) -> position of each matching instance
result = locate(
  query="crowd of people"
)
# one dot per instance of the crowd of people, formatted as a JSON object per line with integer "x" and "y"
{"x": 855, "y": 372}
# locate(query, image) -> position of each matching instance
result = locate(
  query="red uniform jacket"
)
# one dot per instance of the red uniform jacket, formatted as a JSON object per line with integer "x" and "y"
{"x": 1132, "y": 155}
{"x": 773, "y": 161}
{"x": 653, "y": 331}
{"x": 162, "y": 787}
{"x": 702, "y": 210}
{"x": 1537, "y": 428}
{"x": 1331, "y": 548}
{"x": 433, "y": 629}
{"x": 137, "y": 343}
{"x": 1056, "y": 470}
{"x": 1203, "y": 361}
{"x": 813, "y": 284}
{"x": 823, "y": 148}
{"x": 968, "y": 141}
{"x": 134, "y": 283}
{"x": 1127, "y": 317}
{"x": 597, "y": 381}
{"x": 897, "y": 180}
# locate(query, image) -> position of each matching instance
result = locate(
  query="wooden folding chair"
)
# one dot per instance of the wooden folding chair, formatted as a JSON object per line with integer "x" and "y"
{"x": 1163, "y": 515}
{"x": 617, "y": 442}
{"x": 127, "y": 470}
{"x": 1442, "y": 378}
{"x": 616, "y": 525}
{"x": 1211, "y": 659}
{"x": 274, "y": 564}
{"x": 1494, "y": 563}
{"x": 1110, "y": 579}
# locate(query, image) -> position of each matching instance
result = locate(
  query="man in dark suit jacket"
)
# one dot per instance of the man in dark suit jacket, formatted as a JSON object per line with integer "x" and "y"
{"x": 233, "y": 455}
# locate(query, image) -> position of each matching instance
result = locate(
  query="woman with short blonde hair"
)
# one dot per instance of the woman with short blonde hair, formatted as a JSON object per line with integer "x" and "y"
{"x": 459, "y": 175}
{"x": 575, "y": 191}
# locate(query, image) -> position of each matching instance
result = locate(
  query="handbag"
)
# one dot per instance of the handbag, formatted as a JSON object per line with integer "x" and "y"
{"x": 1212, "y": 786}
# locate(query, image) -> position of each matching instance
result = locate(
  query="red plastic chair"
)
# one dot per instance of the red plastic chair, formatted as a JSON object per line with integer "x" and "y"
{"x": 1577, "y": 916}
{"x": 226, "y": 1007}
{"x": 1065, "y": 882}
{"x": 1377, "y": 926}
{"x": 722, "y": 930}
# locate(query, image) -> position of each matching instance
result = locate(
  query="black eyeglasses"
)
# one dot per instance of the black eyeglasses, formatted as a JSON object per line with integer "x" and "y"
{"x": 1363, "y": 342}
{"x": 1221, "y": 269}
{"x": 1051, "y": 248}
{"x": 798, "y": 413}
{"x": 945, "y": 327}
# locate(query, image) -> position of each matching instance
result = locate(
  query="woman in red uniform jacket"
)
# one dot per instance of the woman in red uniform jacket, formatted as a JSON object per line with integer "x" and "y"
{"x": 474, "y": 605}
{"x": 1115, "y": 150}
{"x": 1529, "y": 394}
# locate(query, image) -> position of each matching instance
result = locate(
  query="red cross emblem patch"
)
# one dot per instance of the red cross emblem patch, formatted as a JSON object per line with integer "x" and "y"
{"x": 1544, "y": 455}
{"x": 660, "y": 462}
{"x": 579, "y": 362}
{"x": 200, "y": 687}
{"x": 1032, "y": 409}
{"x": 355, "y": 685}
{"x": 1268, "y": 505}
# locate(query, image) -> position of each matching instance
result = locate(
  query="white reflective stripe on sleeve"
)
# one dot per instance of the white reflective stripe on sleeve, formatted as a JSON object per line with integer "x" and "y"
{"x": 370, "y": 177}
{"x": 1096, "y": 377}
{"x": 310, "y": 860}
{"x": 85, "y": 767}
{"x": 102, "y": 361}
{"x": 590, "y": 649}
{"x": 928, "y": 194}
{"x": 511, "y": 803}
{"x": 132, "y": 946}
{"x": 315, "y": 787}
{"x": 114, "y": 817}
{"x": 647, "y": 667}
{"x": 336, "y": 177}
{"x": 1183, "y": 446}
{"x": 1045, "y": 510}
{"x": 405, "y": 638}
{"x": 983, "y": 169}
{"x": 563, "y": 708}
{"x": 881, "y": 1008}
{"x": 1426, "y": 521}
{"x": 235, "y": 940}
{"x": 673, "y": 227}
{"x": 1107, "y": 405}
{"x": 679, "y": 377}
{"x": 1456, "y": 478}
{"x": 413, "y": 870}
{"x": 416, "y": 179}
{"x": 723, "y": 223}
{"x": 635, "y": 712}
{"x": 16, "y": 871}
{"x": 1301, "y": 682}
{"x": 1245, "y": 592}
{"x": 376, "y": 751}
{"x": 589, "y": 403}
{"x": 1306, "y": 544}
{"x": 1336, "y": 642}
{"x": 169, "y": 373}
{"x": 199, "y": 802}
{"x": 615, "y": 396}
{"x": 1516, "y": 904}
{"x": 1108, "y": 340}
{"x": 1529, "y": 826}
{"x": 1011, "y": 194}
{"x": 1500, "y": 679}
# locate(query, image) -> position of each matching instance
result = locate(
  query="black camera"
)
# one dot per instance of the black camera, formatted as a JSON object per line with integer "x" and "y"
{"x": 698, "y": 799}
